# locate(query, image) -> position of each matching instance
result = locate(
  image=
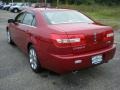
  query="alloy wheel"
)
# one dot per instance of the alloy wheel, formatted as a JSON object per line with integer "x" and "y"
{"x": 8, "y": 37}
{"x": 33, "y": 59}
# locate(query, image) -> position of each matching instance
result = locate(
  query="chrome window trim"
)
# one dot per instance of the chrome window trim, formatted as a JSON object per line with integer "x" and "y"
{"x": 28, "y": 25}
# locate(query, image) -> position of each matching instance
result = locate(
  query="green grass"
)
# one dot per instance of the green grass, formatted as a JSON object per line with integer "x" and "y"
{"x": 108, "y": 15}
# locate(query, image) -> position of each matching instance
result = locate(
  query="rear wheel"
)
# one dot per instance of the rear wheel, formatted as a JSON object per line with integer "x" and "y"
{"x": 33, "y": 60}
{"x": 9, "y": 39}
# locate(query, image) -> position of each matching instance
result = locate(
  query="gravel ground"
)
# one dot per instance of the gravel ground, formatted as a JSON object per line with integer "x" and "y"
{"x": 15, "y": 72}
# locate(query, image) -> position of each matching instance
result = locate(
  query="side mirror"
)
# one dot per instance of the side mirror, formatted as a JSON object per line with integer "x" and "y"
{"x": 10, "y": 21}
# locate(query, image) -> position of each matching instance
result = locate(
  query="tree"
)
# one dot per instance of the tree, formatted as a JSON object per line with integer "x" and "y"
{"x": 108, "y": 2}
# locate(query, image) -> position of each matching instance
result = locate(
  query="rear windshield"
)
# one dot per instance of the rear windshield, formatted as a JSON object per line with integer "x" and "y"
{"x": 61, "y": 17}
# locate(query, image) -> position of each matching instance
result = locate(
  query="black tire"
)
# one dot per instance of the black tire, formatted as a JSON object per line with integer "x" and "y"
{"x": 9, "y": 39}
{"x": 15, "y": 10}
{"x": 34, "y": 63}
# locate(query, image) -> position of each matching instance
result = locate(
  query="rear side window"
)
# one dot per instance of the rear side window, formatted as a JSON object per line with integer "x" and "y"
{"x": 29, "y": 19}
{"x": 34, "y": 22}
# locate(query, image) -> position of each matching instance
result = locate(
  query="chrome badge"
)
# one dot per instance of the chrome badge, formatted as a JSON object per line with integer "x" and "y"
{"x": 95, "y": 37}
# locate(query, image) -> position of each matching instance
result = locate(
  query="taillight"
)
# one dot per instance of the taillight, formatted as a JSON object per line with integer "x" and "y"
{"x": 64, "y": 41}
{"x": 108, "y": 36}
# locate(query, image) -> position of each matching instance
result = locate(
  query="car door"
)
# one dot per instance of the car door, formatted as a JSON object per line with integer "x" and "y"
{"x": 15, "y": 27}
{"x": 24, "y": 33}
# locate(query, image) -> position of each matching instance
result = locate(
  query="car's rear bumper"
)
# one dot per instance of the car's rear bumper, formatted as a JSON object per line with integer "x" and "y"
{"x": 65, "y": 64}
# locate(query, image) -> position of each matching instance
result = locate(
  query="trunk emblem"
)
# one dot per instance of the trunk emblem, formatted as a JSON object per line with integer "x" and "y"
{"x": 95, "y": 37}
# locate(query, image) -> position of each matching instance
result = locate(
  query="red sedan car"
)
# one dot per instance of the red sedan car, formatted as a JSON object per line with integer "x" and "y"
{"x": 61, "y": 40}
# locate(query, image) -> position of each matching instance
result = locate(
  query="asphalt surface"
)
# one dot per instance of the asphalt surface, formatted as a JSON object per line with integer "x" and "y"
{"x": 15, "y": 72}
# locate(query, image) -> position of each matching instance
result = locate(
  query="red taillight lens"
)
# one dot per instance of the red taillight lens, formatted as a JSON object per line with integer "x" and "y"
{"x": 63, "y": 41}
{"x": 108, "y": 36}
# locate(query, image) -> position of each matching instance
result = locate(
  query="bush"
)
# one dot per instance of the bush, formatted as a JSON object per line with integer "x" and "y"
{"x": 108, "y": 2}
{"x": 103, "y": 2}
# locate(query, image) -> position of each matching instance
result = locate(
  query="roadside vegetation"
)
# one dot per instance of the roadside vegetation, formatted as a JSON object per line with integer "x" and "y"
{"x": 108, "y": 15}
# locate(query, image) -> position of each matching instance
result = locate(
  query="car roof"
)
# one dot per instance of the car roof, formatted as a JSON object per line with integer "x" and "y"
{"x": 48, "y": 9}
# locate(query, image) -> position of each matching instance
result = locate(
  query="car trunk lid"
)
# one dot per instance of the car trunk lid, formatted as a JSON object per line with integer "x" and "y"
{"x": 92, "y": 36}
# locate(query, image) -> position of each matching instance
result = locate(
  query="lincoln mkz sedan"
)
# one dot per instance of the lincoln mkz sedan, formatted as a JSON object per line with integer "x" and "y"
{"x": 61, "y": 40}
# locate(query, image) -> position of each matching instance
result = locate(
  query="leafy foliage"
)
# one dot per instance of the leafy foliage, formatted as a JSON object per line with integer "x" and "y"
{"x": 108, "y": 2}
{"x": 103, "y": 2}
{"x": 77, "y": 2}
